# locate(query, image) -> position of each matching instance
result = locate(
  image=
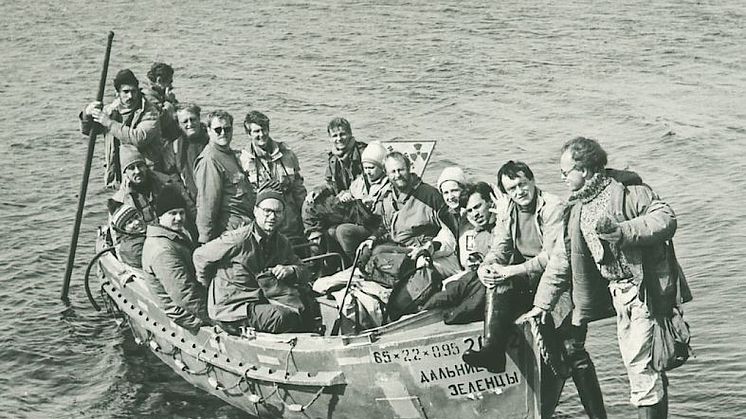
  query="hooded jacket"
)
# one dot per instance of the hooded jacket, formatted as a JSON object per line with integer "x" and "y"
{"x": 167, "y": 256}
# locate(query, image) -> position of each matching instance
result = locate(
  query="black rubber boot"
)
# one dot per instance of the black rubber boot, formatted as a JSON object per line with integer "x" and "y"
{"x": 656, "y": 411}
{"x": 589, "y": 390}
{"x": 499, "y": 314}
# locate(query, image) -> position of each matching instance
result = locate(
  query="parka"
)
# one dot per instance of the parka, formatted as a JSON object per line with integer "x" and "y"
{"x": 647, "y": 224}
{"x": 340, "y": 172}
{"x": 167, "y": 256}
{"x": 224, "y": 195}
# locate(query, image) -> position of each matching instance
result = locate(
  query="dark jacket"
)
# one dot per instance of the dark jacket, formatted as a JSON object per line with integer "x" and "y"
{"x": 129, "y": 248}
{"x": 224, "y": 195}
{"x": 167, "y": 255}
{"x": 143, "y": 198}
{"x": 182, "y": 160}
{"x": 231, "y": 264}
{"x": 340, "y": 172}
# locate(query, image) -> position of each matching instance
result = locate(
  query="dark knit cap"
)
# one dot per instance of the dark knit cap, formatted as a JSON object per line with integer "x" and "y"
{"x": 125, "y": 76}
{"x": 269, "y": 190}
{"x": 169, "y": 198}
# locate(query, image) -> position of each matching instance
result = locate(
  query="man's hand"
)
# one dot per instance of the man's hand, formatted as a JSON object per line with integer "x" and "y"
{"x": 608, "y": 230}
{"x": 91, "y": 106}
{"x": 367, "y": 243}
{"x": 510, "y": 271}
{"x": 101, "y": 117}
{"x": 311, "y": 197}
{"x": 489, "y": 275}
{"x": 345, "y": 196}
{"x": 282, "y": 271}
{"x": 533, "y": 313}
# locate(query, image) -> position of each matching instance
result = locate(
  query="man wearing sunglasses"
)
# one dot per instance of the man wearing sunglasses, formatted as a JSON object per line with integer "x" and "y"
{"x": 254, "y": 279}
{"x": 225, "y": 198}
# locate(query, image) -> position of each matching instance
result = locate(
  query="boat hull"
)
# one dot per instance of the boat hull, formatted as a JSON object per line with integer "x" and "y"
{"x": 408, "y": 369}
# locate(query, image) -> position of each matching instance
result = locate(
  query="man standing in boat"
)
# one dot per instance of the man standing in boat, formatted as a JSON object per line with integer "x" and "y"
{"x": 225, "y": 198}
{"x": 266, "y": 160}
{"x": 189, "y": 145}
{"x": 615, "y": 234}
{"x": 160, "y": 94}
{"x": 527, "y": 228}
{"x": 254, "y": 277}
{"x": 129, "y": 119}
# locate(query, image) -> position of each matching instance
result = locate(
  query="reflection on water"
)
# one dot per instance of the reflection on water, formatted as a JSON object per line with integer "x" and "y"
{"x": 661, "y": 86}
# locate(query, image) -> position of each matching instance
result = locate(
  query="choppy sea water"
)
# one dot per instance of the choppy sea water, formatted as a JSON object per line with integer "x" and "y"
{"x": 661, "y": 85}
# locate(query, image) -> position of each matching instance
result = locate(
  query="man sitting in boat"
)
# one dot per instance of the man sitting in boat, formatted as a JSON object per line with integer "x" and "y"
{"x": 140, "y": 186}
{"x": 463, "y": 296}
{"x": 167, "y": 255}
{"x": 129, "y": 119}
{"x": 225, "y": 198}
{"x": 266, "y": 160}
{"x": 187, "y": 147}
{"x": 255, "y": 279}
{"x": 344, "y": 165}
{"x": 348, "y": 219}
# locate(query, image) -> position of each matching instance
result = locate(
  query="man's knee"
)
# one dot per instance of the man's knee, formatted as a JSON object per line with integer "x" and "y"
{"x": 273, "y": 319}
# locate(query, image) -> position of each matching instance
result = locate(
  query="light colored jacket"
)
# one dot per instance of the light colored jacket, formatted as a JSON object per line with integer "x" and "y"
{"x": 143, "y": 132}
{"x": 646, "y": 222}
{"x": 548, "y": 219}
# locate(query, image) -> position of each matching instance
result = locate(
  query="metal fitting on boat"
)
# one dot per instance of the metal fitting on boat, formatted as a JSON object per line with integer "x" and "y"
{"x": 154, "y": 346}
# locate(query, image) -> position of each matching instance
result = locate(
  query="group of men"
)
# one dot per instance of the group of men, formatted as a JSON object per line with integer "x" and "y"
{"x": 218, "y": 222}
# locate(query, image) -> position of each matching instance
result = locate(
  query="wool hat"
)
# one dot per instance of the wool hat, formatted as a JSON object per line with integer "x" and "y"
{"x": 269, "y": 190}
{"x": 127, "y": 77}
{"x": 374, "y": 153}
{"x": 128, "y": 155}
{"x": 122, "y": 216}
{"x": 453, "y": 173}
{"x": 169, "y": 198}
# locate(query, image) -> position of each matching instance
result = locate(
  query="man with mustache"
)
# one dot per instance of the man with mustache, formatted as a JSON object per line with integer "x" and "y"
{"x": 129, "y": 119}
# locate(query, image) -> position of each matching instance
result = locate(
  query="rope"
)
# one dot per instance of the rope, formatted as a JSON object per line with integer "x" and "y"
{"x": 546, "y": 354}
{"x": 86, "y": 281}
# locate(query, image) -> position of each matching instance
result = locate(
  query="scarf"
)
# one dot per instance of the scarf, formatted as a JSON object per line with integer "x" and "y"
{"x": 595, "y": 197}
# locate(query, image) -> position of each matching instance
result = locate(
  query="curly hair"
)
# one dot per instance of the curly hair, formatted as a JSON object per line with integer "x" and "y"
{"x": 163, "y": 70}
{"x": 256, "y": 117}
{"x": 219, "y": 114}
{"x": 511, "y": 170}
{"x": 483, "y": 189}
{"x": 587, "y": 154}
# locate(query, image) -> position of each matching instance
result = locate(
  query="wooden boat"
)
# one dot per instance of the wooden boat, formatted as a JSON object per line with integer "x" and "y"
{"x": 411, "y": 368}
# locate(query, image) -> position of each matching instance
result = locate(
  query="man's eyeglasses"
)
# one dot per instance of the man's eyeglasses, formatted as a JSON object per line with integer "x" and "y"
{"x": 220, "y": 130}
{"x": 567, "y": 173}
{"x": 268, "y": 211}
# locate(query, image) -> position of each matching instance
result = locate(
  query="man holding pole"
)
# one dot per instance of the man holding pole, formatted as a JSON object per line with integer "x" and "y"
{"x": 129, "y": 119}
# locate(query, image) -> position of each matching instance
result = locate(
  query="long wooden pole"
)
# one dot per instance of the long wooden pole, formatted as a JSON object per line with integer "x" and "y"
{"x": 86, "y": 175}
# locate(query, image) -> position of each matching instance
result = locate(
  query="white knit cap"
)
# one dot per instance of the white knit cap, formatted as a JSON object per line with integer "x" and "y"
{"x": 374, "y": 153}
{"x": 453, "y": 173}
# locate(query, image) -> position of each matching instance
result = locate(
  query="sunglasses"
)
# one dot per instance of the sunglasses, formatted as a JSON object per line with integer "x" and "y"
{"x": 220, "y": 130}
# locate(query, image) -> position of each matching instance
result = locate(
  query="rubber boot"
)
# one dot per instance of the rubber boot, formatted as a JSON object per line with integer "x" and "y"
{"x": 589, "y": 390}
{"x": 499, "y": 314}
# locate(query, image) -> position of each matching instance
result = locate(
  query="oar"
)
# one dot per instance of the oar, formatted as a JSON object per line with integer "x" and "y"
{"x": 338, "y": 322}
{"x": 84, "y": 181}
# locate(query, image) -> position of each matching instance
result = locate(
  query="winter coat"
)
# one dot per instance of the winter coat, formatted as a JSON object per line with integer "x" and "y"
{"x": 231, "y": 265}
{"x": 142, "y": 130}
{"x": 129, "y": 248}
{"x": 647, "y": 224}
{"x": 167, "y": 255}
{"x": 224, "y": 195}
{"x": 143, "y": 198}
{"x": 166, "y": 105}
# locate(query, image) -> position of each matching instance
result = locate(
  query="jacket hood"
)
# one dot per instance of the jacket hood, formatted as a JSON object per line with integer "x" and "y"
{"x": 625, "y": 177}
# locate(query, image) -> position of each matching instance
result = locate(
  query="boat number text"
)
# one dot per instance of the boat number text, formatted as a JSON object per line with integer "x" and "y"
{"x": 426, "y": 352}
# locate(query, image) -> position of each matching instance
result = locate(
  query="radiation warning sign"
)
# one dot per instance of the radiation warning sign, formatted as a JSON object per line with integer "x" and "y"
{"x": 417, "y": 151}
